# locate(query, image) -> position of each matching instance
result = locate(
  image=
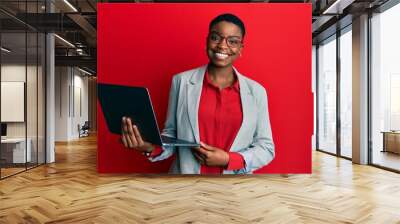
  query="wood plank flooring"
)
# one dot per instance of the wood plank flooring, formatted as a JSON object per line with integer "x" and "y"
{"x": 10, "y": 171}
{"x": 71, "y": 191}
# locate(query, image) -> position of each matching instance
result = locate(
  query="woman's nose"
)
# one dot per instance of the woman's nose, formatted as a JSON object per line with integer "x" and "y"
{"x": 223, "y": 43}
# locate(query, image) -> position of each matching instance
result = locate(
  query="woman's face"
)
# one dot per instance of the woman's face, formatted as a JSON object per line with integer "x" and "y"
{"x": 224, "y": 44}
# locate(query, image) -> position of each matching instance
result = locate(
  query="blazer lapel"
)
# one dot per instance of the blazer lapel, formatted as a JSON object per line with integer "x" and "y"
{"x": 247, "y": 105}
{"x": 193, "y": 99}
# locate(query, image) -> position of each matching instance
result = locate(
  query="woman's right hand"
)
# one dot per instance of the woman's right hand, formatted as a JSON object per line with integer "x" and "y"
{"x": 131, "y": 137}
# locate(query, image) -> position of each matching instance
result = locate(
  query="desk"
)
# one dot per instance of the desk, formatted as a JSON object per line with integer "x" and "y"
{"x": 13, "y": 150}
{"x": 391, "y": 141}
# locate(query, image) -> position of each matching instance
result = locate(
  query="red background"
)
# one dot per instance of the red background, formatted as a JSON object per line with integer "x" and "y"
{"x": 146, "y": 44}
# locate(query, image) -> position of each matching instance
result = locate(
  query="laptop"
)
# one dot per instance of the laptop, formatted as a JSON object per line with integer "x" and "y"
{"x": 117, "y": 101}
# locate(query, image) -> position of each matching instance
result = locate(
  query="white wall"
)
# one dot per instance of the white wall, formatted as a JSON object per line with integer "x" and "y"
{"x": 33, "y": 127}
{"x": 17, "y": 73}
{"x": 81, "y": 104}
{"x": 61, "y": 103}
{"x": 14, "y": 73}
{"x": 314, "y": 89}
{"x": 71, "y": 102}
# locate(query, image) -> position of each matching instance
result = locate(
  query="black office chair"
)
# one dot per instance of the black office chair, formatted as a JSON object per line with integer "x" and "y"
{"x": 84, "y": 130}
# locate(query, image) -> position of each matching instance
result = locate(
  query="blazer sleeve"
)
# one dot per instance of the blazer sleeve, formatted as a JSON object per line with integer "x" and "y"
{"x": 262, "y": 150}
{"x": 170, "y": 123}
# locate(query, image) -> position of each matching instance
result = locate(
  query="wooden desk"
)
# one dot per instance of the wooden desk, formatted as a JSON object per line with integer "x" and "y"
{"x": 391, "y": 141}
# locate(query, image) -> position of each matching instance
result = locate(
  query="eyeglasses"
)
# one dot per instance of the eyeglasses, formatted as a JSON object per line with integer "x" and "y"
{"x": 231, "y": 41}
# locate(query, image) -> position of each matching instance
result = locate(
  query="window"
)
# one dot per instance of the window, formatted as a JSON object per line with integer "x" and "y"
{"x": 385, "y": 88}
{"x": 346, "y": 93}
{"x": 327, "y": 95}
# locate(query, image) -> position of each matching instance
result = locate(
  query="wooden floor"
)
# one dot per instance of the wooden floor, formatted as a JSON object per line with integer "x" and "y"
{"x": 71, "y": 191}
{"x": 5, "y": 172}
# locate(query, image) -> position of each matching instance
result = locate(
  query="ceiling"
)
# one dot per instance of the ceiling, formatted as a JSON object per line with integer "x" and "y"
{"x": 76, "y": 22}
{"x": 72, "y": 20}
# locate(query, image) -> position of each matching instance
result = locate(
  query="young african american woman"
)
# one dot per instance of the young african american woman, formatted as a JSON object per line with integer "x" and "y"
{"x": 216, "y": 106}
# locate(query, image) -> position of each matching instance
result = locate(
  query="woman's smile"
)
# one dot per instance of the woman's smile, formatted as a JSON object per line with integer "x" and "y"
{"x": 221, "y": 56}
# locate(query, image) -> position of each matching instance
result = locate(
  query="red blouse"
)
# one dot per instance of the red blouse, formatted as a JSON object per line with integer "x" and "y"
{"x": 220, "y": 117}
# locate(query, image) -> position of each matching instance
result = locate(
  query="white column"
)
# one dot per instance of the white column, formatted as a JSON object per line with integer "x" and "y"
{"x": 50, "y": 100}
{"x": 50, "y": 92}
{"x": 360, "y": 90}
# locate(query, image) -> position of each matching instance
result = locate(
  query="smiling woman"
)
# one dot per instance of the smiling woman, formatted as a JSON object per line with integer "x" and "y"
{"x": 216, "y": 106}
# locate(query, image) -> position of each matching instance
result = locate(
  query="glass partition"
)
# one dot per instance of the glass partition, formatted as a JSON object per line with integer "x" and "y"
{"x": 22, "y": 88}
{"x": 13, "y": 103}
{"x": 31, "y": 100}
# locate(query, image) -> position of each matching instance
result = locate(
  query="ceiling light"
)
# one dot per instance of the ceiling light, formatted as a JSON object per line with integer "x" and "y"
{"x": 70, "y": 5}
{"x": 5, "y": 50}
{"x": 65, "y": 41}
{"x": 84, "y": 71}
{"x": 337, "y": 7}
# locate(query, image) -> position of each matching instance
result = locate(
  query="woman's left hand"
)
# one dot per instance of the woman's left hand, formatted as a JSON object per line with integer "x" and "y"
{"x": 211, "y": 156}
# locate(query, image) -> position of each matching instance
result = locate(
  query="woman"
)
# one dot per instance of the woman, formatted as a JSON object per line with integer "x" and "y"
{"x": 217, "y": 106}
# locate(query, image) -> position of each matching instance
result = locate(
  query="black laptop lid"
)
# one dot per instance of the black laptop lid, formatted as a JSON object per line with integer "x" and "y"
{"x": 117, "y": 101}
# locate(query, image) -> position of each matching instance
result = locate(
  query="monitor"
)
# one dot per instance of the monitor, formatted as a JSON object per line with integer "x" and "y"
{"x": 3, "y": 129}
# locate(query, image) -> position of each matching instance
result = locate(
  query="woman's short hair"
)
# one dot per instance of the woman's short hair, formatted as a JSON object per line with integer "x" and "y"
{"x": 227, "y": 17}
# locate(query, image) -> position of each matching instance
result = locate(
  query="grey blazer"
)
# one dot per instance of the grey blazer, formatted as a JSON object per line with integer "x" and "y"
{"x": 254, "y": 138}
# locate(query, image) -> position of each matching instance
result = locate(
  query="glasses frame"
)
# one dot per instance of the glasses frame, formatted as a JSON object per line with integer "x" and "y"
{"x": 223, "y": 38}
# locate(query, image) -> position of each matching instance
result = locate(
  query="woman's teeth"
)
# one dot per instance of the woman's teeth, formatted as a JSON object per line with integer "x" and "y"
{"x": 221, "y": 55}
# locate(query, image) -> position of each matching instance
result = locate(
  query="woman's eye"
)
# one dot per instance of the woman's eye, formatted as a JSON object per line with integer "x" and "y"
{"x": 234, "y": 42}
{"x": 214, "y": 37}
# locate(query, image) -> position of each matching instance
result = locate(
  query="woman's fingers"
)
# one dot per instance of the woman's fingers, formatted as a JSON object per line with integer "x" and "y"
{"x": 129, "y": 141}
{"x": 138, "y": 136}
{"x": 203, "y": 152}
{"x": 124, "y": 127}
{"x": 206, "y": 147}
{"x": 124, "y": 131}
{"x": 199, "y": 158}
{"x": 131, "y": 134}
{"x": 123, "y": 139}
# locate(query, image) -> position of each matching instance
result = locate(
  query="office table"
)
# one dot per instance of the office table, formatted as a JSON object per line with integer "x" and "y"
{"x": 13, "y": 150}
{"x": 391, "y": 141}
